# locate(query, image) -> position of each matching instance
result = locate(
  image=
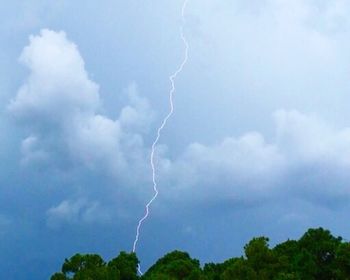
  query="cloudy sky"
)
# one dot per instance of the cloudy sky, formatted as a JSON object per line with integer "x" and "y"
{"x": 259, "y": 143}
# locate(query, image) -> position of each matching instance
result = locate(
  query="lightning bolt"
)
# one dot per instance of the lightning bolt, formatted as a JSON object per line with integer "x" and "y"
{"x": 172, "y": 79}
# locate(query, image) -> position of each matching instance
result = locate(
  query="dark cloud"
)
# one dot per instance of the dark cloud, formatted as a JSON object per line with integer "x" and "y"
{"x": 75, "y": 173}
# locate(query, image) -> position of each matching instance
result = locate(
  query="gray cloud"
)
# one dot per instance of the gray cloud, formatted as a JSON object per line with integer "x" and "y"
{"x": 60, "y": 107}
{"x": 308, "y": 158}
{"x": 307, "y": 138}
{"x": 78, "y": 211}
{"x": 225, "y": 172}
{"x": 31, "y": 152}
{"x": 58, "y": 87}
{"x": 62, "y": 112}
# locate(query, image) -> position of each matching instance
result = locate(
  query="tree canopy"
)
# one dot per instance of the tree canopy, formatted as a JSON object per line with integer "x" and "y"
{"x": 316, "y": 255}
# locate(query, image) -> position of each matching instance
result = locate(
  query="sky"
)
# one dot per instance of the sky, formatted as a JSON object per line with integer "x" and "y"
{"x": 259, "y": 142}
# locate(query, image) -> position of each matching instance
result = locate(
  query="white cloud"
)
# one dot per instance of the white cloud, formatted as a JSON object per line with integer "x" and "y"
{"x": 61, "y": 106}
{"x": 58, "y": 86}
{"x": 96, "y": 140}
{"x": 236, "y": 169}
{"x": 61, "y": 110}
{"x": 306, "y": 157}
{"x": 78, "y": 211}
{"x": 138, "y": 115}
{"x": 305, "y": 138}
{"x": 31, "y": 151}
{"x": 253, "y": 57}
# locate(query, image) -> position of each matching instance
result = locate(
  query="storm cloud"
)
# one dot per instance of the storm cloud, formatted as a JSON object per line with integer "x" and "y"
{"x": 259, "y": 142}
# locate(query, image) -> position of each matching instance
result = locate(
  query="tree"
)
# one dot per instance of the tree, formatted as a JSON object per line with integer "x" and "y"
{"x": 126, "y": 264}
{"x": 175, "y": 265}
{"x": 286, "y": 253}
{"x": 317, "y": 255}
{"x": 59, "y": 276}
{"x": 261, "y": 258}
{"x": 213, "y": 271}
{"x": 342, "y": 261}
{"x": 80, "y": 263}
{"x": 84, "y": 267}
{"x": 239, "y": 270}
{"x": 305, "y": 265}
{"x": 320, "y": 246}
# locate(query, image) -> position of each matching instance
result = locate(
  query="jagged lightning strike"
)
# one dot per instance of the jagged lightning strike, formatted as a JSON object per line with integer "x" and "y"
{"x": 161, "y": 127}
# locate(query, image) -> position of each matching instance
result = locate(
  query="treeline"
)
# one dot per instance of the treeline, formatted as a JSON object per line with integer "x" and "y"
{"x": 316, "y": 255}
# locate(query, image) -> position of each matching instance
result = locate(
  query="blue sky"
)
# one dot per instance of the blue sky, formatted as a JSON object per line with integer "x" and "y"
{"x": 259, "y": 143}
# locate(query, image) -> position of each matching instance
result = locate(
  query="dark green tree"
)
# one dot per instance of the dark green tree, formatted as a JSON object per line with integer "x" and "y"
{"x": 317, "y": 255}
{"x": 286, "y": 253}
{"x": 261, "y": 258}
{"x": 126, "y": 264}
{"x": 342, "y": 261}
{"x": 59, "y": 276}
{"x": 175, "y": 265}
{"x": 79, "y": 263}
{"x": 214, "y": 271}
{"x": 239, "y": 270}
{"x": 85, "y": 267}
{"x": 318, "y": 248}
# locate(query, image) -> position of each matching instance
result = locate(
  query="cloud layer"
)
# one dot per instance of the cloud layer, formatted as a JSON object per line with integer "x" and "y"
{"x": 76, "y": 211}
{"x": 259, "y": 142}
{"x": 307, "y": 158}
{"x": 60, "y": 108}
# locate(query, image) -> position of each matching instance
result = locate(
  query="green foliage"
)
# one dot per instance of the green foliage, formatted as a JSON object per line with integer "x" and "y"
{"x": 241, "y": 270}
{"x": 260, "y": 258}
{"x": 320, "y": 247}
{"x": 175, "y": 265}
{"x": 126, "y": 264}
{"x": 93, "y": 267}
{"x": 213, "y": 271}
{"x": 317, "y": 255}
{"x": 342, "y": 261}
{"x": 82, "y": 263}
{"x": 58, "y": 276}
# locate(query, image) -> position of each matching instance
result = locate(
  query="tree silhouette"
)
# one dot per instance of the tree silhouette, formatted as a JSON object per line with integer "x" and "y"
{"x": 317, "y": 255}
